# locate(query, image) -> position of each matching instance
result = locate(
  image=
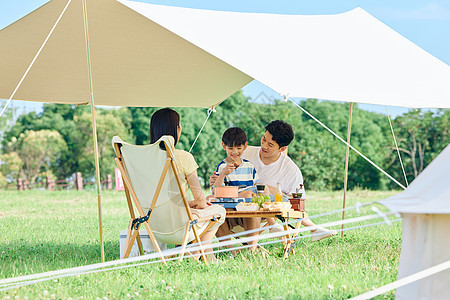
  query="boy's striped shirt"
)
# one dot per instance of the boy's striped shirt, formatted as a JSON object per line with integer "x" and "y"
{"x": 245, "y": 174}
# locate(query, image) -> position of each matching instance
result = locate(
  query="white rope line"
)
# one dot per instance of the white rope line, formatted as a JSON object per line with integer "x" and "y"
{"x": 337, "y": 136}
{"x": 396, "y": 146}
{"x": 178, "y": 251}
{"x": 133, "y": 259}
{"x": 175, "y": 258}
{"x": 84, "y": 269}
{"x": 404, "y": 281}
{"x": 35, "y": 57}
{"x": 210, "y": 110}
{"x": 167, "y": 253}
{"x": 382, "y": 215}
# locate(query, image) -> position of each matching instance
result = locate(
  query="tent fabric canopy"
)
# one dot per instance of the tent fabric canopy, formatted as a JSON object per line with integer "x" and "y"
{"x": 135, "y": 62}
{"x": 429, "y": 193}
{"x": 348, "y": 57}
{"x": 152, "y": 55}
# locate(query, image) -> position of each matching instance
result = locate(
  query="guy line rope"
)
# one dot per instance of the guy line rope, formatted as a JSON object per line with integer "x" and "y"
{"x": 210, "y": 110}
{"x": 404, "y": 281}
{"x": 396, "y": 146}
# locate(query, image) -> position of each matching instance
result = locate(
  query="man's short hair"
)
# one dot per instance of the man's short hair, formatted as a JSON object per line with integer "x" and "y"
{"x": 234, "y": 136}
{"x": 281, "y": 132}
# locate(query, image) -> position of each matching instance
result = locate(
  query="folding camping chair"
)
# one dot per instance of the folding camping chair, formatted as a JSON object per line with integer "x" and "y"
{"x": 152, "y": 184}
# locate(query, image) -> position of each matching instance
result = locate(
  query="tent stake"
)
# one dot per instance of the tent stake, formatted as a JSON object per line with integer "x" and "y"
{"x": 349, "y": 130}
{"x": 94, "y": 130}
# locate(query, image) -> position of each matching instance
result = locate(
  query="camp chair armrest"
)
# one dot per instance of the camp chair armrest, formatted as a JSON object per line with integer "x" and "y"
{"x": 208, "y": 218}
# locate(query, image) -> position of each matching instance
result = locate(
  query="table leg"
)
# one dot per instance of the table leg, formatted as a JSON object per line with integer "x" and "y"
{"x": 288, "y": 242}
{"x": 292, "y": 241}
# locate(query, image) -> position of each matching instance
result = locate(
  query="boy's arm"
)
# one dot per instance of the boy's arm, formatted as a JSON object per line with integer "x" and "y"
{"x": 218, "y": 181}
{"x": 229, "y": 168}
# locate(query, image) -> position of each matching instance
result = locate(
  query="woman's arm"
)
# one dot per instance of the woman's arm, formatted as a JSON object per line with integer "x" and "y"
{"x": 197, "y": 191}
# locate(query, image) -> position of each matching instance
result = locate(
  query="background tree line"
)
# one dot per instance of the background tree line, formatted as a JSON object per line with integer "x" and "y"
{"x": 58, "y": 141}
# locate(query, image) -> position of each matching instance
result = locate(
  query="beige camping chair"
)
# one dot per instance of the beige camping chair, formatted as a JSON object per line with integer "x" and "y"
{"x": 153, "y": 186}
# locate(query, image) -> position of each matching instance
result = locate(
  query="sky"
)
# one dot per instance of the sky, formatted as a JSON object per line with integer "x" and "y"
{"x": 426, "y": 23}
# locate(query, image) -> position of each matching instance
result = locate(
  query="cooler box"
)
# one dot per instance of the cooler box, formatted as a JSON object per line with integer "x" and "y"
{"x": 147, "y": 244}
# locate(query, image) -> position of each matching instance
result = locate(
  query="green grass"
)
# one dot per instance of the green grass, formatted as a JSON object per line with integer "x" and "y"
{"x": 43, "y": 231}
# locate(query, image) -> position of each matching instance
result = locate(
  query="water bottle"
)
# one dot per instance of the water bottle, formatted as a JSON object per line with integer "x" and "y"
{"x": 278, "y": 194}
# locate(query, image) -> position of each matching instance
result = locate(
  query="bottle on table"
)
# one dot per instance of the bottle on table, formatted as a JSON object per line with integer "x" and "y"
{"x": 278, "y": 194}
{"x": 260, "y": 189}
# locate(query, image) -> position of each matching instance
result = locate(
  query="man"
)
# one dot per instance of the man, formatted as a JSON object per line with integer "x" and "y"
{"x": 274, "y": 166}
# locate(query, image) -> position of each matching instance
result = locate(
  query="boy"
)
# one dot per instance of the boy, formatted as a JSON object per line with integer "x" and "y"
{"x": 233, "y": 170}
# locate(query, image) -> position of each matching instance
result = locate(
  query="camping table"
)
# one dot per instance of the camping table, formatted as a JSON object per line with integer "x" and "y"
{"x": 283, "y": 215}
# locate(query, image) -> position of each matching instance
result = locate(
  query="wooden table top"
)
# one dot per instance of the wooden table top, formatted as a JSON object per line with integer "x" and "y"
{"x": 266, "y": 214}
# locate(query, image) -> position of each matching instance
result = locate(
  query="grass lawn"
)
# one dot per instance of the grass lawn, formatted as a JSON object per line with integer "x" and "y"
{"x": 43, "y": 231}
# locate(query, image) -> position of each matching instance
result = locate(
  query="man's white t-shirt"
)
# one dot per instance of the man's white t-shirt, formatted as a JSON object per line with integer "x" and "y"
{"x": 283, "y": 170}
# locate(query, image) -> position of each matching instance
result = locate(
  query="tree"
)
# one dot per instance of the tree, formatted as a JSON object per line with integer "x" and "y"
{"x": 38, "y": 150}
{"x": 140, "y": 123}
{"x": 415, "y": 137}
{"x": 108, "y": 125}
{"x": 11, "y": 166}
{"x": 442, "y": 136}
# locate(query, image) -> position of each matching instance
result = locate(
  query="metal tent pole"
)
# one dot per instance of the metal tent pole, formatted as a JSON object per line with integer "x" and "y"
{"x": 94, "y": 130}
{"x": 349, "y": 130}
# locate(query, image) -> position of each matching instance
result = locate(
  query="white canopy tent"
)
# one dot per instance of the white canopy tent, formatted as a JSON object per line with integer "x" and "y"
{"x": 425, "y": 208}
{"x": 151, "y": 55}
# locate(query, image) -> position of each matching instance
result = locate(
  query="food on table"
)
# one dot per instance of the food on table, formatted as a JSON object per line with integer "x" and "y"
{"x": 242, "y": 206}
{"x": 277, "y": 205}
{"x": 246, "y": 204}
{"x": 260, "y": 199}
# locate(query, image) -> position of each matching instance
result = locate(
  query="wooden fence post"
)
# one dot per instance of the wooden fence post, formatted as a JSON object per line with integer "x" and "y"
{"x": 49, "y": 184}
{"x": 78, "y": 181}
{"x": 20, "y": 184}
{"x": 25, "y": 185}
{"x": 109, "y": 182}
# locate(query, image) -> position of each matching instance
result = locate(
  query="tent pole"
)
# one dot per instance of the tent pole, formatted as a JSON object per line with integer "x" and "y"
{"x": 349, "y": 130}
{"x": 94, "y": 131}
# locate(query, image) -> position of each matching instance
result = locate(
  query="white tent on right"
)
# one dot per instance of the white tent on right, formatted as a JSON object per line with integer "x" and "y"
{"x": 425, "y": 208}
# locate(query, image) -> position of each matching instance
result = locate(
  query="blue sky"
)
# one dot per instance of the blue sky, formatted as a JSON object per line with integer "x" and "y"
{"x": 426, "y": 23}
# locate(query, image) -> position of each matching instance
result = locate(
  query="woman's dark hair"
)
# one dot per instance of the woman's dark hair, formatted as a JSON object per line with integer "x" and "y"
{"x": 234, "y": 136}
{"x": 164, "y": 122}
{"x": 281, "y": 132}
